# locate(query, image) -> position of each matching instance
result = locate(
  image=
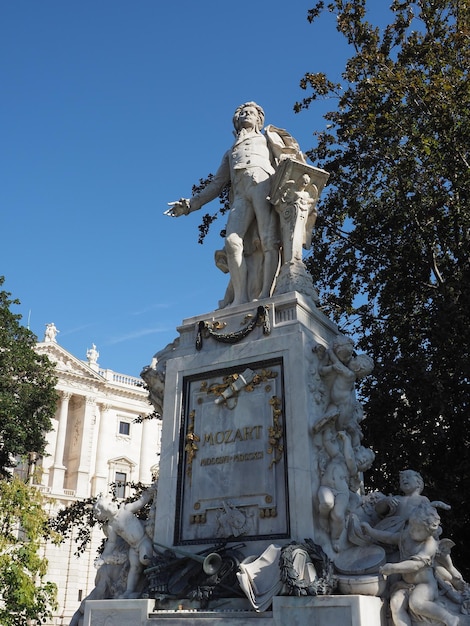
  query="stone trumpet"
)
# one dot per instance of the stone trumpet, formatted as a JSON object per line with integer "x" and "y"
{"x": 211, "y": 563}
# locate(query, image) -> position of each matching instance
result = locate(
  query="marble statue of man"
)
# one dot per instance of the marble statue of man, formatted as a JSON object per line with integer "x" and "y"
{"x": 248, "y": 165}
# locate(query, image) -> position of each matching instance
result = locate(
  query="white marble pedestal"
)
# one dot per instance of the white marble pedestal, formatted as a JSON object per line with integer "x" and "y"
{"x": 245, "y": 467}
{"x": 286, "y": 611}
{"x": 117, "y": 612}
{"x": 239, "y": 461}
{"x": 328, "y": 611}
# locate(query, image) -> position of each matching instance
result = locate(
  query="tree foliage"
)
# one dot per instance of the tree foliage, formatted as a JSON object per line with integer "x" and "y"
{"x": 24, "y": 594}
{"x": 208, "y": 218}
{"x": 27, "y": 388}
{"x": 391, "y": 249}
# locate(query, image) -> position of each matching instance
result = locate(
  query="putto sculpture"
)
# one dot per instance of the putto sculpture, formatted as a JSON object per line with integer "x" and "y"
{"x": 414, "y": 596}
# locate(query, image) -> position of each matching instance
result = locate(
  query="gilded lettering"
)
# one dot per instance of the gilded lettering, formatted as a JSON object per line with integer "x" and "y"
{"x": 248, "y": 430}
{"x": 228, "y": 434}
{"x": 216, "y": 460}
{"x": 247, "y": 433}
{"x": 209, "y": 438}
{"x": 238, "y": 436}
{"x": 258, "y": 431}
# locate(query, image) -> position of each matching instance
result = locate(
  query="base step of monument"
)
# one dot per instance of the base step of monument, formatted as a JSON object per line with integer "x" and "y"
{"x": 210, "y": 618}
{"x": 286, "y": 611}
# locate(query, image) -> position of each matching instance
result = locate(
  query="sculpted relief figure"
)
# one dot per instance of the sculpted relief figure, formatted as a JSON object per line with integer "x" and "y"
{"x": 414, "y": 597}
{"x": 122, "y": 523}
{"x": 154, "y": 375}
{"x": 449, "y": 579}
{"x": 339, "y": 473}
{"x": 392, "y": 513}
{"x": 297, "y": 212}
{"x": 110, "y": 580}
{"x": 128, "y": 548}
{"x": 397, "y": 510}
{"x": 341, "y": 369}
{"x": 338, "y": 435}
{"x": 252, "y": 224}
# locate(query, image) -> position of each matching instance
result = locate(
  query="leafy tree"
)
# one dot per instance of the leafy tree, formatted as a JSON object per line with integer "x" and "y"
{"x": 391, "y": 249}
{"x": 24, "y": 595}
{"x": 27, "y": 389}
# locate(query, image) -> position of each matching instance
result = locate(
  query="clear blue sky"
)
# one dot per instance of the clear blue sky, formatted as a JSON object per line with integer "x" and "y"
{"x": 109, "y": 110}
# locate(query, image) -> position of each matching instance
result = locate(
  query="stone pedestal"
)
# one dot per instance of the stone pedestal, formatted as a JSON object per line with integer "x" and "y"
{"x": 286, "y": 611}
{"x": 328, "y": 611}
{"x": 239, "y": 461}
{"x": 117, "y": 612}
{"x": 242, "y": 392}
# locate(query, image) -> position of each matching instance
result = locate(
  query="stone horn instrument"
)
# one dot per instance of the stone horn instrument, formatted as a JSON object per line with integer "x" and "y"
{"x": 211, "y": 563}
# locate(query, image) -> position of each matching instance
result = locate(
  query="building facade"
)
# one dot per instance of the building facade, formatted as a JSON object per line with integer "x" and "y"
{"x": 97, "y": 439}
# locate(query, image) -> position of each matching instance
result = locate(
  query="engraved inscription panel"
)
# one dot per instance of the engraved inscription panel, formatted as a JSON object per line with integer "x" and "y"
{"x": 232, "y": 479}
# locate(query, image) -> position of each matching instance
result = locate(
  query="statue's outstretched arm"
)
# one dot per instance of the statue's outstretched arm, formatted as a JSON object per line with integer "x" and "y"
{"x": 212, "y": 190}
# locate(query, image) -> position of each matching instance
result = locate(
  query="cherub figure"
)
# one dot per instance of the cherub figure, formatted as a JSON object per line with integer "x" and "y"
{"x": 398, "y": 509}
{"x": 340, "y": 474}
{"x": 448, "y": 577}
{"x": 121, "y": 522}
{"x": 414, "y": 596}
{"x": 110, "y": 579}
{"x": 342, "y": 372}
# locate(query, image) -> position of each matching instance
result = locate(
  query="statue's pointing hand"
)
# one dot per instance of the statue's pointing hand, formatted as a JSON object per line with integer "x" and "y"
{"x": 180, "y": 207}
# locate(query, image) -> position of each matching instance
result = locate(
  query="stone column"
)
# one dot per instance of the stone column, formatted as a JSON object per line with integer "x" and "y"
{"x": 84, "y": 468}
{"x": 148, "y": 449}
{"x": 100, "y": 478}
{"x": 58, "y": 469}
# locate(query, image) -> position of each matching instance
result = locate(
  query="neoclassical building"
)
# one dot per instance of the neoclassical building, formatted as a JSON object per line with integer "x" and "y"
{"x": 97, "y": 439}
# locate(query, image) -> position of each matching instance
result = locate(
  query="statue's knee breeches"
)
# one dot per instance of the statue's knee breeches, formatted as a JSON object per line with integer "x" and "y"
{"x": 233, "y": 244}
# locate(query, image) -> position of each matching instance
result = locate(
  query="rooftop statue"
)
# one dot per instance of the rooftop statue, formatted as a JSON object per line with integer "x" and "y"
{"x": 253, "y": 235}
{"x": 92, "y": 355}
{"x": 51, "y": 332}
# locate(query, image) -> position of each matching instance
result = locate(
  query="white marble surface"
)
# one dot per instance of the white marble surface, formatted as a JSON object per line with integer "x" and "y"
{"x": 117, "y": 612}
{"x": 296, "y": 327}
{"x": 287, "y": 611}
{"x": 264, "y": 168}
{"x": 328, "y": 611}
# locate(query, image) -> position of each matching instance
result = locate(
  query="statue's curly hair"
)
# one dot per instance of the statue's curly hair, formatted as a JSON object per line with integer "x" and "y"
{"x": 417, "y": 475}
{"x": 260, "y": 111}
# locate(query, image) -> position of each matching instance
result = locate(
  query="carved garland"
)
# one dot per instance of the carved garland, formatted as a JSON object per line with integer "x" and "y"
{"x": 275, "y": 433}
{"x": 205, "y": 329}
{"x": 191, "y": 446}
